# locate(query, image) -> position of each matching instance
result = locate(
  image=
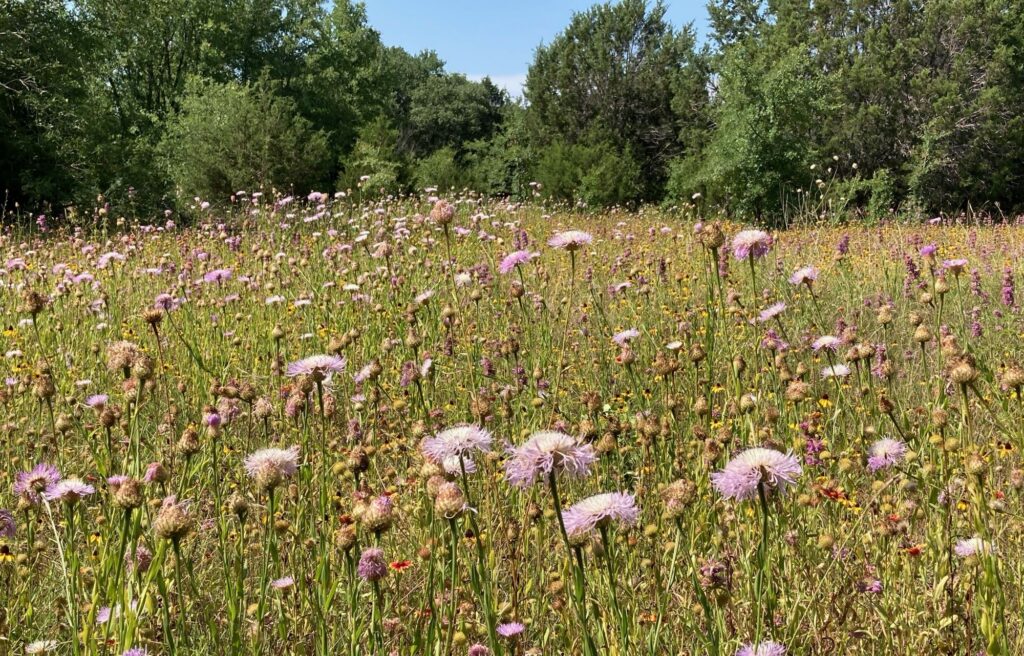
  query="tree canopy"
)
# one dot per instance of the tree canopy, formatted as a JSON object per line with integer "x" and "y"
{"x": 864, "y": 105}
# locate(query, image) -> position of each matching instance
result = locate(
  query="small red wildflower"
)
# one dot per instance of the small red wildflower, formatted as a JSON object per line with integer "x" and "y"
{"x": 914, "y": 550}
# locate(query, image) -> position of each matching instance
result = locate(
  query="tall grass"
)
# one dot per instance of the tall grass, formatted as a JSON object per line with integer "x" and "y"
{"x": 157, "y": 364}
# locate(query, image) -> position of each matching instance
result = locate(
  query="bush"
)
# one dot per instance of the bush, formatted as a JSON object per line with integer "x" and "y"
{"x": 611, "y": 178}
{"x": 236, "y": 136}
{"x": 374, "y": 165}
{"x": 499, "y": 166}
{"x": 883, "y": 200}
{"x": 439, "y": 169}
{"x": 595, "y": 174}
{"x": 684, "y": 180}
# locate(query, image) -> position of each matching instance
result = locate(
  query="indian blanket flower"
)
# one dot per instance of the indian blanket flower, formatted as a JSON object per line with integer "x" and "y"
{"x": 570, "y": 240}
{"x": 69, "y": 490}
{"x": 973, "y": 547}
{"x": 885, "y": 453}
{"x": 751, "y": 243}
{"x": 455, "y": 442}
{"x": 271, "y": 467}
{"x": 600, "y": 510}
{"x": 514, "y": 259}
{"x": 32, "y": 484}
{"x": 372, "y": 566}
{"x": 546, "y": 452}
{"x": 757, "y": 467}
{"x": 765, "y": 648}
{"x": 804, "y": 276}
{"x": 317, "y": 366}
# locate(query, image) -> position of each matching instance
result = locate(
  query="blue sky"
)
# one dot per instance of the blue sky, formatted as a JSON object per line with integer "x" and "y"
{"x": 491, "y": 37}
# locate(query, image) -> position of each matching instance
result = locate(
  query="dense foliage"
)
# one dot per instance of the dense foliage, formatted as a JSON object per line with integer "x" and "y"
{"x": 848, "y": 108}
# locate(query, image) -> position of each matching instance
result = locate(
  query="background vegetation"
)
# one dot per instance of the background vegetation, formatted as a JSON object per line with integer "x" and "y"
{"x": 895, "y": 103}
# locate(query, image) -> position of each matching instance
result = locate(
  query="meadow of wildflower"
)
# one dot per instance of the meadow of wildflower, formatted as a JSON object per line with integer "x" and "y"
{"x": 329, "y": 426}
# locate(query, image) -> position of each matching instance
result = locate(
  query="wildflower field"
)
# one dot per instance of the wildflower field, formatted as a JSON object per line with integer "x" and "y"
{"x": 420, "y": 427}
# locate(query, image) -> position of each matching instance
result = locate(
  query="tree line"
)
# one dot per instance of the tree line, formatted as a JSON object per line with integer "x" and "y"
{"x": 855, "y": 108}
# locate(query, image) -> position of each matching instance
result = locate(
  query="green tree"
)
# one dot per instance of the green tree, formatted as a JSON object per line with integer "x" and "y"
{"x": 500, "y": 166}
{"x": 439, "y": 169}
{"x": 230, "y": 136}
{"x": 449, "y": 110}
{"x": 612, "y": 77}
{"x": 374, "y": 164}
{"x": 340, "y": 82}
{"x": 46, "y": 55}
{"x": 595, "y": 174}
{"x": 766, "y": 113}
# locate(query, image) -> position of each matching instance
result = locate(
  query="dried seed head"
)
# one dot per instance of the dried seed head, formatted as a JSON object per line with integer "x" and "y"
{"x": 345, "y": 537}
{"x": 962, "y": 371}
{"x": 173, "y": 521}
{"x": 797, "y": 391}
{"x": 1012, "y": 377}
{"x": 128, "y": 494}
{"x": 449, "y": 502}
{"x": 678, "y": 496}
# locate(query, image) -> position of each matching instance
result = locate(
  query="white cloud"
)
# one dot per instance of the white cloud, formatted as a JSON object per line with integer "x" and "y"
{"x": 513, "y": 84}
